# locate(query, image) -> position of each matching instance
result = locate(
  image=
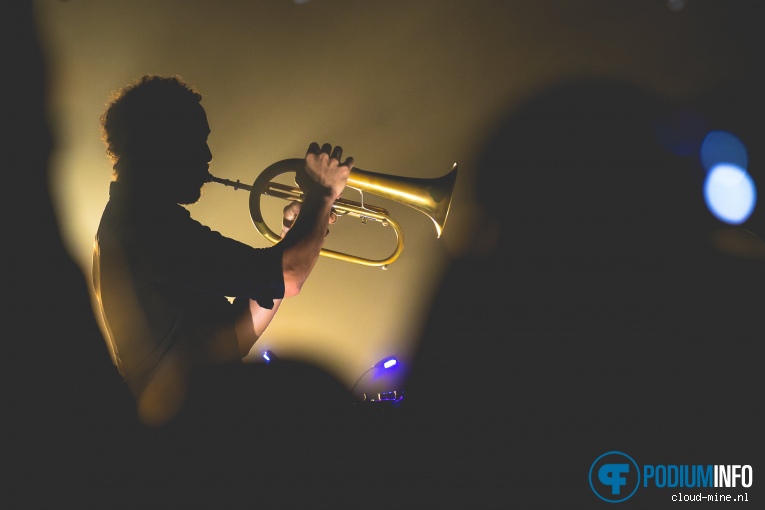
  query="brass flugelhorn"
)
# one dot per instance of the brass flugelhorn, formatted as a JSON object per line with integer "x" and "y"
{"x": 431, "y": 197}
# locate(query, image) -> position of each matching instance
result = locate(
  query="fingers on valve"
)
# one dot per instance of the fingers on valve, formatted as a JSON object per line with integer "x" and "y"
{"x": 291, "y": 211}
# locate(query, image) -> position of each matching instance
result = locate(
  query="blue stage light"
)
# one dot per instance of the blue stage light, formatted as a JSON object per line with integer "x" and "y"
{"x": 385, "y": 377}
{"x": 386, "y": 363}
{"x": 269, "y": 356}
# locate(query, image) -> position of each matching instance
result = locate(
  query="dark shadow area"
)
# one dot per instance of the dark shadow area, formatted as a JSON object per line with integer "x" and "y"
{"x": 67, "y": 402}
{"x": 275, "y": 433}
{"x": 597, "y": 312}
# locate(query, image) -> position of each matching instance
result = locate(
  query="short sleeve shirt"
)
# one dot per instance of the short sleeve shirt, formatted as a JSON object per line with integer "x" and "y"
{"x": 163, "y": 281}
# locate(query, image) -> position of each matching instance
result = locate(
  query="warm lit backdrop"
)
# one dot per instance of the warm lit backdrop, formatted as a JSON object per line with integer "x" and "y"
{"x": 406, "y": 87}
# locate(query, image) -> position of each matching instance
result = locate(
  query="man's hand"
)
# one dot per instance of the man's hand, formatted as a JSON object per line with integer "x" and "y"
{"x": 291, "y": 212}
{"x": 323, "y": 168}
{"x": 322, "y": 180}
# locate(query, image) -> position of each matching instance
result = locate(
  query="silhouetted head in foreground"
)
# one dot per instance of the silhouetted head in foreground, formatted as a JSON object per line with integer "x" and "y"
{"x": 580, "y": 171}
{"x": 599, "y": 293}
{"x": 155, "y": 132}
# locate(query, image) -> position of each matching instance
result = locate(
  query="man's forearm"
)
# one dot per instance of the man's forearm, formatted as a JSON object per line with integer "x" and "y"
{"x": 304, "y": 241}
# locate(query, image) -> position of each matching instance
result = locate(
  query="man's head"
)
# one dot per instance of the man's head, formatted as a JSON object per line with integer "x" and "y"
{"x": 155, "y": 131}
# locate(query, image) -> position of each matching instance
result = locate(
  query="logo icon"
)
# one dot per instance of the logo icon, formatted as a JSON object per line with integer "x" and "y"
{"x": 614, "y": 477}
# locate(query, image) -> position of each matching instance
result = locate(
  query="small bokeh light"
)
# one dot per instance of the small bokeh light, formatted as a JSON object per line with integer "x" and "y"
{"x": 386, "y": 363}
{"x": 675, "y": 5}
{"x": 269, "y": 356}
{"x": 723, "y": 147}
{"x": 730, "y": 193}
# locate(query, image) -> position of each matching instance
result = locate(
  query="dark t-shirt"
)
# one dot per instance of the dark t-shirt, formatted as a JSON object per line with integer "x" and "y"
{"x": 163, "y": 279}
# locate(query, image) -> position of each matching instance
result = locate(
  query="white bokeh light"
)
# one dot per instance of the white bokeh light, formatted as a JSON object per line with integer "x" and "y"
{"x": 730, "y": 193}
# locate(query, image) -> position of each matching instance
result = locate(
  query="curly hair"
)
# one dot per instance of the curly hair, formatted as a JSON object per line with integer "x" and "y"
{"x": 137, "y": 115}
